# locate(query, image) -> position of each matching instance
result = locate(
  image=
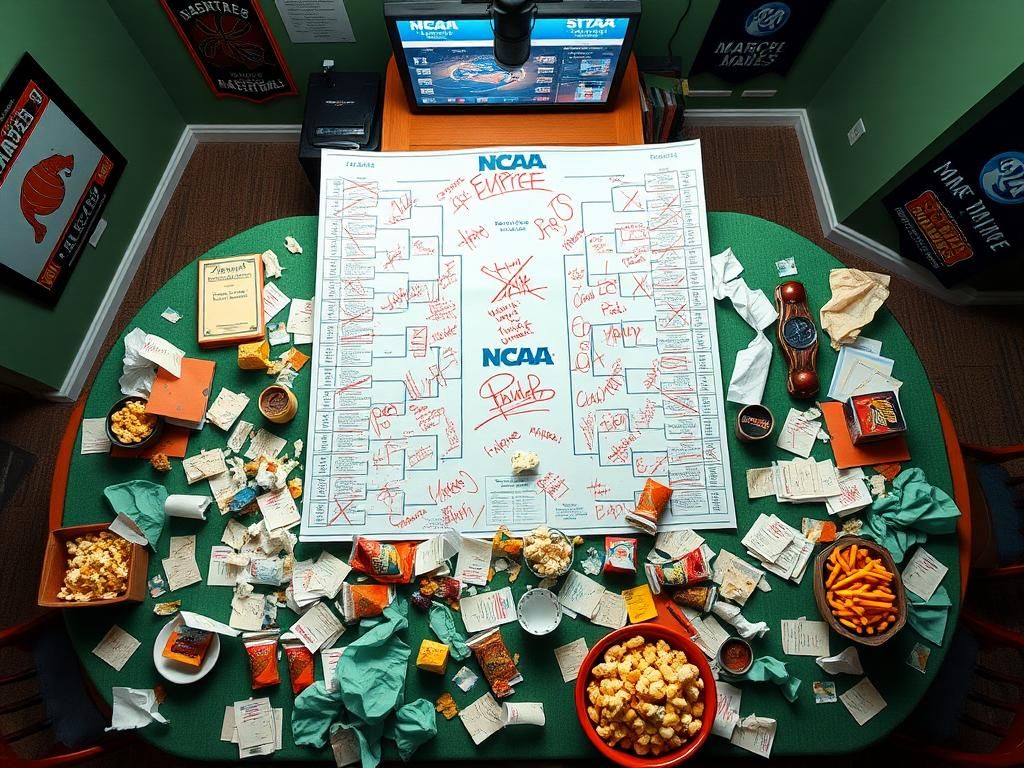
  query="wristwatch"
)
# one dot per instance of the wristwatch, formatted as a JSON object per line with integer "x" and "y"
{"x": 798, "y": 339}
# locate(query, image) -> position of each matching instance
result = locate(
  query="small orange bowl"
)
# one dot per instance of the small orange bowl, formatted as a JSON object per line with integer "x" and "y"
{"x": 694, "y": 655}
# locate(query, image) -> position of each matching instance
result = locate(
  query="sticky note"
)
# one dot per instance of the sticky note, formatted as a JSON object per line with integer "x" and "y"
{"x": 640, "y": 604}
{"x": 432, "y": 657}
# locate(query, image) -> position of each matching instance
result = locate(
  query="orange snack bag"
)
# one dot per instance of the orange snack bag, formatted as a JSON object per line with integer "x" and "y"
{"x": 653, "y": 500}
{"x": 188, "y": 645}
{"x": 389, "y": 562}
{"x": 261, "y": 647}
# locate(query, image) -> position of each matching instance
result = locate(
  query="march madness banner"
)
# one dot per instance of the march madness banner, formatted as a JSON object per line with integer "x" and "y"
{"x": 57, "y": 172}
{"x": 230, "y": 42}
{"x": 750, "y": 37}
{"x": 963, "y": 210}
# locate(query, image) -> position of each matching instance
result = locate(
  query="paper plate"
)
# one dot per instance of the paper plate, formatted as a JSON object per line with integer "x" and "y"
{"x": 176, "y": 672}
{"x": 539, "y": 611}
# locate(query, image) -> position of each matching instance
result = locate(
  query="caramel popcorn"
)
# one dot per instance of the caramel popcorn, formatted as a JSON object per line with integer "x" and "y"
{"x": 645, "y": 697}
{"x": 160, "y": 462}
{"x": 547, "y": 552}
{"x": 131, "y": 423}
{"x": 97, "y": 568}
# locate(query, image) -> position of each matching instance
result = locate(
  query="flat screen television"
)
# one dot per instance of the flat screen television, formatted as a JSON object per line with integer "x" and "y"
{"x": 444, "y": 50}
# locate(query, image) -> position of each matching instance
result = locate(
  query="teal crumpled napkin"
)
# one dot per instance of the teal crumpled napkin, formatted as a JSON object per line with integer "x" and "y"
{"x": 929, "y": 617}
{"x": 767, "y": 669}
{"x": 143, "y": 503}
{"x": 912, "y": 510}
{"x": 442, "y": 622}
{"x": 371, "y": 688}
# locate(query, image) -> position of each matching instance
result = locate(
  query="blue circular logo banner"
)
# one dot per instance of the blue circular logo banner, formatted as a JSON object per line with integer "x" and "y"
{"x": 767, "y": 19}
{"x": 1002, "y": 178}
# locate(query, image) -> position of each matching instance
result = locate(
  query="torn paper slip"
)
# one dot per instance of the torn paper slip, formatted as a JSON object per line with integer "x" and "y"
{"x": 755, "y": 734}
{"x": 247, "y": 612}
{"x": 292, "y": 245}
{"x": 474, "y": 561}
{"x": 203, "y": 465}
{"x": 171, "y": 315}
{"x": 274, "y": 300}
{"x": 300, "y": 317}
{"x": 676, "y": 543}
{"x": 611, "y": 611}
{"x": 488, "y": 609}
{"x": 434, "y": 553}
{"x": 116, "y": 647}
{"x": 255, "y": 727}
{"x": 226, "y": 408}
{"x": 859, "y": 371}
{"x": 727, "y": 713}
{"x": 279, "y": 335}
{"x": 265, "y": 443}
{"x": 137, "y": 373}
{"x": 863, "y": 700}
{"x": 759, "y": 483}
{"x": 318, "y": 627}
{"x": 205, "y": 623}
{"x": 239, "y": 435}
{"x": 329, "y": 657}
{"x": 279, "y": 510}
{"x": 846, "y": 662}
{"x": 710, "y": 634}
{"x": 485, "y": 716}
{"x": 569, "y": 658}
{"x": 134, "y": 708}
{"x": 801, "y": 637}
{"x": 94, "y": 436}
{"x": 181, "y": 567}
{"x": 161, "y": 352}
{"x": 580, "y": 594}
{"x": 853, "y": 493}
{"x": 221, "y": 573}
{"x": 271, "y": 265}
{"x": 799, "y": 432}
{"x": 923, "y": 574}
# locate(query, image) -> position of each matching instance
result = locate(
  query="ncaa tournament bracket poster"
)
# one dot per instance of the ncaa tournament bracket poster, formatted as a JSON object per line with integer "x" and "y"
{"x": 472, "y": 304}
{"x": 57, "y": 172}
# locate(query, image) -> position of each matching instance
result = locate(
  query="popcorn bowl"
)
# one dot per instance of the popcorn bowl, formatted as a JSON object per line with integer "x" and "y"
{"x": 532, "y": 567}
{"x": 651, "y": 633}
{"x": 147, "y": 440}
{"x": 55, "y": 561}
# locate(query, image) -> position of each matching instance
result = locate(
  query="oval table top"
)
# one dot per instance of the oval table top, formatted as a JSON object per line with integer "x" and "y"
{"x": 195, "y": 712}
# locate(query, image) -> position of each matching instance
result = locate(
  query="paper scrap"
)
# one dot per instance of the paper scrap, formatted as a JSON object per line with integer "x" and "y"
{"x": 727, "y": 713}
{"x": 918, "y": 658}
{"x": 863, "y": 700}
{"x": 824, "y": 692}
{"x": 279, "y": 335}
{"x": 483, "y": 718}
{"x": 801, "y": 637}
{"x": 292, "y": 245}
{"x": 330, "y": 657}
{"x": 710, "y": 634}
{"x": 318, "y": 627}
{"x": 271, "y": 265}
{"x": 488, "y": 609}
{"x": 274, "y": 300}
{"x": 181, "y": 567}
{"x": 198, "y": 621}
{"x": 94, "y": 436}
{"x": 116, "y": 647}
{"x": 640, "y": 604}
{"x": 855, "y": 368}
{"x": 220, "y": 573}
{"x": 755, "y": 734}
{"x": 247, "y": 612}
{"x": 868, "y": 345}
{"x": 226, "y": 408}
{"x": 750, "y": 371}
{"x": 786, "y": 267}
{"x": 127, "y": 529}
{"x": 171, "y": 315}
{"x": 569, "y": 657}
{"x": 300, "y": 317}
{"x": 611, "y": 611}
{"x": 798, "y": 434}
{"x": 265, "y": 443}
{"x": 580, "y": 594}
{"x": 255, "y": 726}
{"x": 204, "y": 464}
{"x": 279, "y": 510}
{"x": 676, "y": 543}
{"x": 164, "y": 354}
{"x": 134, "y": 708}
{"x": 137, "y": 373}
{"x": 759, "y": 483}
{"x": 474, "y": 561}
{"x": 923, "y": 574}
{"x": 434, "y": 553}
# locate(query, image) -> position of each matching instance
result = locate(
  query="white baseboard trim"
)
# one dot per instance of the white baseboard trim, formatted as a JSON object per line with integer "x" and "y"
{"x": 191, "y": 137}
{"x": 834, "y": 230}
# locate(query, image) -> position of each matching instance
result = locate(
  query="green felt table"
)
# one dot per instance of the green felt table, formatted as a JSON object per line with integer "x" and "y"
{"x": 195, "y": 711}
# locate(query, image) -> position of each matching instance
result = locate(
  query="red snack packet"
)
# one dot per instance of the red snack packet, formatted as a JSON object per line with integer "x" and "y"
{"x": 300, "y": 663}
{"x": 496, "y": 662}
{"x": 385, "y": 561}
{"x": 261, "y": 647}
{"x": 653, "y": 500}
{"x": 619, "y": 554}
{"x": 360, "y": 601}
{"x": 682, "y": 571}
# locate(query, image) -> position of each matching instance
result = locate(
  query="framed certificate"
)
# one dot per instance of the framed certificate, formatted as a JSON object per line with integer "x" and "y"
{"x": 230, "y": 300}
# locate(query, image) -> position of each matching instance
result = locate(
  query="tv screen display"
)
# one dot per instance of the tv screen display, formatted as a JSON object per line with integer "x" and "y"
{"x": 450, "y": 62}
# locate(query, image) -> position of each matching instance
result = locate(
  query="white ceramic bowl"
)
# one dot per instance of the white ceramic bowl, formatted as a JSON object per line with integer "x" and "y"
{"x": 539, "y": 612}
{"x": 176, "y": 672}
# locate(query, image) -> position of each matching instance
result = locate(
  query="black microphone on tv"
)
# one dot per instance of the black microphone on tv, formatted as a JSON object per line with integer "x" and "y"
{"x": 512, "y": 22}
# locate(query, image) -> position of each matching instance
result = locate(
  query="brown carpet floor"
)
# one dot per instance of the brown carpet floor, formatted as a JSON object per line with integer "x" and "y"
{"x": 974, "y": 357}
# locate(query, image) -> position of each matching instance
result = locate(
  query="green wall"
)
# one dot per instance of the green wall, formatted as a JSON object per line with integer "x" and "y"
{"x": 920, "y": 73}
{"x": 84, "y": 48}
{"x": 148, "y": 24}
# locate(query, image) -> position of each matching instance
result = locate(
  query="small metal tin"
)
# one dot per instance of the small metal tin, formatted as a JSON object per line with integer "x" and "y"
{"x": 754, "y": 422}
{"x": 734, "y": 641}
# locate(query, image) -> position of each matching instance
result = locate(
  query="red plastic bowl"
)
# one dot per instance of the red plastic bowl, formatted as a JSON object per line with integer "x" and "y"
{"x": 693, "y": 655}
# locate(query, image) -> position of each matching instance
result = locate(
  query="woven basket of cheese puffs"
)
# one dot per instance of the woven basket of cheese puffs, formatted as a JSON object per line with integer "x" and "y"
{"x": 645, "y": 696}
{"x": 859, "y": 590}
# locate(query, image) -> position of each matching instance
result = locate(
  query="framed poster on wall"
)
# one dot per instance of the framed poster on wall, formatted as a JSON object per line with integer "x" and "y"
{"x": 233, "y": 48}
{"x": 57, "y": 172}
{"x": 963, "y": 210}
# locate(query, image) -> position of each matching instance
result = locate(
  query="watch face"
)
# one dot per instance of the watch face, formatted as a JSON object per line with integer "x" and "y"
{"x": 799, "y": 332}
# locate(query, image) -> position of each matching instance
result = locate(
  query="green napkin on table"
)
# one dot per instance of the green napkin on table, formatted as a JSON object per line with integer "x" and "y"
{"x": 443, "y": 623}
{"x": 768, "y": 669}
{"x": 371, "y": 688}
{"x": 912, "y": 510}
{"x": 929, "y": 617}
{"x": 143, "y": 503}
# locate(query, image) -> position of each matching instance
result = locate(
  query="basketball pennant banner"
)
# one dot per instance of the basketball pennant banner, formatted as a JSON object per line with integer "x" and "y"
{"x": 233, "y": 48}
{"x": 57, "y": 172}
